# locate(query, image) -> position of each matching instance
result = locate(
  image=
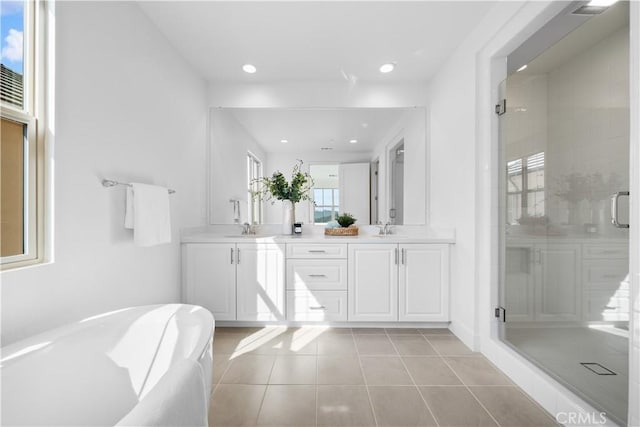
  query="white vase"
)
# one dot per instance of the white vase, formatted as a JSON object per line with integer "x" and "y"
{"x": 288, "y": 217}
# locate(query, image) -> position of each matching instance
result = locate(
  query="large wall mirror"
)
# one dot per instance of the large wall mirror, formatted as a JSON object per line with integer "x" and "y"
{"x": 355, "y": 155}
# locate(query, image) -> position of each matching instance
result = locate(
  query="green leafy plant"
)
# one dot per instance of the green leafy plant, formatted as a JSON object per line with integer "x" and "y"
{"x": 277, "y": 187}
{"x": 345, "y": 220}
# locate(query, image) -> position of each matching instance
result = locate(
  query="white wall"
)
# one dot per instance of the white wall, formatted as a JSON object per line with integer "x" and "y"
{"x": 452, "y": 167}
{"x": 127, "y": 108}
{"x": 230, "y": 143}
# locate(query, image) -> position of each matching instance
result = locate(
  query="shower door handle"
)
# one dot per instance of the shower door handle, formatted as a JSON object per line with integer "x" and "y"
{"x": 614, "y": 209}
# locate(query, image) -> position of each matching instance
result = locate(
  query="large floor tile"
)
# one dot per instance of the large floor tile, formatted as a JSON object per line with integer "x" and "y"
{"x": 335, "y": 344}
{"x": 237, "y": 330}
{"x": 294, "y": 370}
{"x": 267, "y": 343}
{"x": 344, "y": 405}
{"x": 435, "y": 331}
{"x": 412, "y": 345}
{"x": 400, "y": 406}
{"x": 511, "y": 407}
{"x": 220, "y": 364}
{"x": 429, "y": 370}
{"x": 338, "y": 331}
{"x": 235, "y": 405}
{"x": 455, "y": 407}
{"x": 449, "y": 345}
{"x": 249, "y": 369}
{"x": 339, "y": 370}
{"x": 289, "y": 405}
{"x": 402, "y": 331}
{"x": 364, "y": 331}
{"x": 477, "y": 371}
{"x": 384, "y": 370}
{"x": 374, "y": 345}
{"x": 302, "y": 341}
{"x": 227, "y": 343}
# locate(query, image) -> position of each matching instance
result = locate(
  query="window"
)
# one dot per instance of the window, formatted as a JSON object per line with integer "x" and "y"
{"x": 326, "y": 201}
{"x": 20, "y": 144}
{"x": 525, "y": 188}
{"x": 254, "y": 172}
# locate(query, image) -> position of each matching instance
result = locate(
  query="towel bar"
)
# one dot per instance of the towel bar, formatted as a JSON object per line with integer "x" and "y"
{"x": 112, "y": 183}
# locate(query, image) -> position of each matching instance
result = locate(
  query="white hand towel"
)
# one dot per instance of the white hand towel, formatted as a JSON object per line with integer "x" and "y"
{"x": 151, "y": 217}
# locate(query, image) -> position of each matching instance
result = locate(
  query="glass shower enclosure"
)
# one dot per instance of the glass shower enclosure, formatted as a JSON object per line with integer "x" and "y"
{"x": 564, "y": 147}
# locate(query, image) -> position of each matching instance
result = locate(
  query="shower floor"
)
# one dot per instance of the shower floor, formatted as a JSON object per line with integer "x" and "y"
{"x": 561, "y": 350}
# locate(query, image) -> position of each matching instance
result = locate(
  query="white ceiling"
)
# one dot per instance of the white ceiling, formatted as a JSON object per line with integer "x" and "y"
{"x": 308, "y": 130}
{"x": 328, "y": 41}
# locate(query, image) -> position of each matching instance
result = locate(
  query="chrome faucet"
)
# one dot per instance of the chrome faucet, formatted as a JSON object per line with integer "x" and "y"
{"x": 387, "y": 228}
{"x": 384, "y": 230}
{"x": 246, "y": 228}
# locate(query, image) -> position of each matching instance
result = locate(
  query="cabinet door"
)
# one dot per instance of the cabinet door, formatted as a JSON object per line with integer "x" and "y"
{"x": 373, "y": 282}
{"x": 260, "y": 281}
{"x": 558, "y": 282}
{"x": 424, "y": 283}
{"x": 209, "y": 278}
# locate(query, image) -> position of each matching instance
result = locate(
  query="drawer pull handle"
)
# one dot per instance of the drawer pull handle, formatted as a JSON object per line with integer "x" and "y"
{"x": 610, "y": 276}
{"x": 608, "y": 307}
{"x": 320, "y": 307}
{"x": 317, "y": 275}
{"x": 317, "y": 251}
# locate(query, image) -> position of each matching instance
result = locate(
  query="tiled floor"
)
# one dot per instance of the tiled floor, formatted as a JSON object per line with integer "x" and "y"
{"x": 360, "y": 377}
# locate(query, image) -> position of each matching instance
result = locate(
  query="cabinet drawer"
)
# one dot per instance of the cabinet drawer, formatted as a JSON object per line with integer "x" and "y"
{"x": 317, "y": 274}
{"x": 606, "y": 251}
{"x": 607, "y": 305}
{"x": 317, "y": 305}
{"x": 299, "y": 250}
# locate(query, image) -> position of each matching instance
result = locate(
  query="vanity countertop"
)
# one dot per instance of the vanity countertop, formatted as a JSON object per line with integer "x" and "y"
{"x": 211, "y": 237}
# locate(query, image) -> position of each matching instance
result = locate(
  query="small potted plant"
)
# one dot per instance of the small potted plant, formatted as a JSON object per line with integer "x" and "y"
{"x": 343, "y": 225}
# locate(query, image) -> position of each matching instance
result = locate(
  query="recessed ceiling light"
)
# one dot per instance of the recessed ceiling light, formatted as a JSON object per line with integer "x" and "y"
{"x": 387, "y": 68}
{"x": 524, "y": 67}
{"x": 365, "y": 125}
{"x": 353, "y": 141}
{"x": 284, "y": 141}
{"x": 248, "y": 68}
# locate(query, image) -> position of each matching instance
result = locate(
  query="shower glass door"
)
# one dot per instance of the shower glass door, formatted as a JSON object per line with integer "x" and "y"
{"x": 564, "y": 144}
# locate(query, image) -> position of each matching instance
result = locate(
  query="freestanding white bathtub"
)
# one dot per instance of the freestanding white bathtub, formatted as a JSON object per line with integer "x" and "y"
{"x": 140, "y": 366}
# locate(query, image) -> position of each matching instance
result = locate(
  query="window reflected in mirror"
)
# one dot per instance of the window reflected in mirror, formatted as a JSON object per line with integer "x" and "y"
{"x": 326, "y": 193}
